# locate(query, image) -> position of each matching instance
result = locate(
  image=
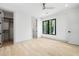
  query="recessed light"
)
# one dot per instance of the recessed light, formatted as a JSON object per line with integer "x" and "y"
{"x": 66, "y": 5}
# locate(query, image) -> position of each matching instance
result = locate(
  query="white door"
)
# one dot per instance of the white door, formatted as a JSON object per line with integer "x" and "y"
{"x": 34, "y": 28}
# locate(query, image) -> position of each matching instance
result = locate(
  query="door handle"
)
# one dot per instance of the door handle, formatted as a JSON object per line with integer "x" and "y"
{"x": 0, "y": 22}
{"x": 69, "y": 31}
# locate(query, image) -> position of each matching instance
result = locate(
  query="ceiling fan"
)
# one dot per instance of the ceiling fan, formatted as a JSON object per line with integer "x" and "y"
{"x": 45, "y": 7}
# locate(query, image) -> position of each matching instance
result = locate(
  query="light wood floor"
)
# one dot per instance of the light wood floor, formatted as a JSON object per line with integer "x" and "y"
{"x": 40, "y": 47}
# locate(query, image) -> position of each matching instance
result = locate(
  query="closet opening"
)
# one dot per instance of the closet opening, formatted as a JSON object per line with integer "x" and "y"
{"x": 7, "y": 28}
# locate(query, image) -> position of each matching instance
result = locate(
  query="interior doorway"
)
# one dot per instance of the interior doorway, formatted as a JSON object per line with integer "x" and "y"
{"x": 7, "y": 31}
{"x": 6, "y": 28}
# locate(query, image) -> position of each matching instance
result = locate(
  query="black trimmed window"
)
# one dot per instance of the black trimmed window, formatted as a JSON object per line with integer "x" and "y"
{"x": 49, "y": 27}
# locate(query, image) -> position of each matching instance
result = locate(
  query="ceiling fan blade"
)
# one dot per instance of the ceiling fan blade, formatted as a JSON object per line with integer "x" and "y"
{"x": 44, "y": 6}
{"x": 50, "y": 7}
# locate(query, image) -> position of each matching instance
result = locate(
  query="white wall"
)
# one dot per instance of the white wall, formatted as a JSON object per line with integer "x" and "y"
{"x": 22, "y": 27}
{"x": 73, "y": 23}
{"x": 65, "y": 20}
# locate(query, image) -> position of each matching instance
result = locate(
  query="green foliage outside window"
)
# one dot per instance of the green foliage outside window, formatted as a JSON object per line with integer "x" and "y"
{"x": 49, "y": 27}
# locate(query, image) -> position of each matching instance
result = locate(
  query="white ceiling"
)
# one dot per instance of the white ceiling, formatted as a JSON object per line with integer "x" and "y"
{"x": 35, "y": 9}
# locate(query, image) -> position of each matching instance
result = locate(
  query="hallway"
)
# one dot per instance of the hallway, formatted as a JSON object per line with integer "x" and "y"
{"x": 40, "y": 47}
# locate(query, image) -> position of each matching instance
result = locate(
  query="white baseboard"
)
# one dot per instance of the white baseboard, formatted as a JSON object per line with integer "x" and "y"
{"x": 62, "y": 40}
{"x": 73, "y": 43}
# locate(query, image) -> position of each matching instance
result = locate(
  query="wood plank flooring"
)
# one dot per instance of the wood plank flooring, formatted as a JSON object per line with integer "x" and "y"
{"x": 40, "y": 47}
